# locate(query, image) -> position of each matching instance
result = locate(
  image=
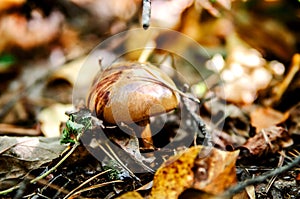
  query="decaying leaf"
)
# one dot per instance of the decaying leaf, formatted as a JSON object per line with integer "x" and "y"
{"x": 187, "y": 172}
{"x": 212, "y": 173}
{"x": 175, "y": 175}
{"x": 270, "y": 139}
{"x": 265, "y": 117}
{"x": 215, "y": 172}
{"x": 19, "y": 155}
{"x": 52, "y": 117}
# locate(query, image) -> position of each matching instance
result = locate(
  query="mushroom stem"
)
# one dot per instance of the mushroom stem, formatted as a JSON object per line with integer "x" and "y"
{"x": 146, "y": 134}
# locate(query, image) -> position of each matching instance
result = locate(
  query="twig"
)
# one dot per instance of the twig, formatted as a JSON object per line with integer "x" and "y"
{"x": 58, "y": 164}
{"x": 113, "y": 156}
{"x": 84, "y": 183}
{"x": 241, "y": 185}
{"x": 95, "y": 187}
{"x": 280, "y": 163}
{"x": 201, "y": 125}
{"x": 146, "y": 14}
{"x": 122, "y": 164}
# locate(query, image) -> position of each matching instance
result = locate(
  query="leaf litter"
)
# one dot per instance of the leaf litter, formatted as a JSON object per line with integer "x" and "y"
{"x": 251, "y": 49}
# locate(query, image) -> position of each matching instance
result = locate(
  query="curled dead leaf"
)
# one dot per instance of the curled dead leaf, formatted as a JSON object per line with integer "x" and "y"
{"x": 270, "y": 139}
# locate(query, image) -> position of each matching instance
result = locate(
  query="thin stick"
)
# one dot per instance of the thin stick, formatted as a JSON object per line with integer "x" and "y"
{"x": 281, "y": 88}
{"x": 95, "y": 187}
{"x": 113, "y": 156}
{"x": 57, "y": 165}
{"x": 84, "y": 183}
{"x": 122, "y": 164}
{"x": 241, "y": 185}
{"x": 146, "y": 14}
{"x": 280, "y": 163}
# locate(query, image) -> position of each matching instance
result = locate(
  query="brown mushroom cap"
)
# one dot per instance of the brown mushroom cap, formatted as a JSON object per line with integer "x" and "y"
{"x": 131, "y": 92}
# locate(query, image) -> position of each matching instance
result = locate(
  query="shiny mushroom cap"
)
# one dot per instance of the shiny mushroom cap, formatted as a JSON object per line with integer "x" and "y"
{"x": 131, "y": 92}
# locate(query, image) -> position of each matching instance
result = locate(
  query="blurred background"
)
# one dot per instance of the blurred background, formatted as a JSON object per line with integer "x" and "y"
{"x": 43, "y": 44}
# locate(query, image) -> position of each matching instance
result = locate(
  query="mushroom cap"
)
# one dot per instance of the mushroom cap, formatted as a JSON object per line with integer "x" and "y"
{"x": 130, "y": 92}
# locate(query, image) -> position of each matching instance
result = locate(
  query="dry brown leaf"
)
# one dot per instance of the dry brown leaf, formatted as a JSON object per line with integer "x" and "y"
{"x": 207, "y": 171}
{"x": 215, "y": 172}
{"x": 212, "y": 173}
{"x": 270, "y": 139}
{"x": 175, "y": 175}
{"x": 18, "y": 155}
{"x": 265, "y": 117}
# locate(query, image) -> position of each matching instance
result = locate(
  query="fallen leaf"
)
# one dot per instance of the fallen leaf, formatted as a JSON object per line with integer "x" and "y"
{"x": 51, "y": 118}
{"x": 270, "y": 139}
{"x": 215, "y": 172}
{"x": 175, "y": 175}
{"x": 265, "y": 117}
{"x": 203, "y": 168}
{"x": 19, "y": 155}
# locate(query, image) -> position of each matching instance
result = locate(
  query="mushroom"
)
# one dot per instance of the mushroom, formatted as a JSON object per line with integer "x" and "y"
{"x": 132, "y": 92}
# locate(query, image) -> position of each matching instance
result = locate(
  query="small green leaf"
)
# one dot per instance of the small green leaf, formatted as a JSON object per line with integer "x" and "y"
{"x": 6, "y": 61}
